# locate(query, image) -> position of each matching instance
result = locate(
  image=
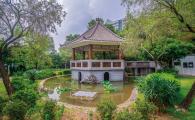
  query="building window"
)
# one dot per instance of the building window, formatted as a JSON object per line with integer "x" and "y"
{"x": 178, "y": 63}
{"x": 185, "y": 65}
{"x": 190, "y": 65}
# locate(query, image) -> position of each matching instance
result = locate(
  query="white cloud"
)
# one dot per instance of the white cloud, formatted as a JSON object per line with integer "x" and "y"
{"x": 80, "y": 12}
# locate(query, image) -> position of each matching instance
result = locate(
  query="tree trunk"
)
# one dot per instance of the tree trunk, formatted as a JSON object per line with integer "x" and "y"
{"x": 188, "y": 99}
{"x": 5, "y": 77}
{"x": 156, "y": 65}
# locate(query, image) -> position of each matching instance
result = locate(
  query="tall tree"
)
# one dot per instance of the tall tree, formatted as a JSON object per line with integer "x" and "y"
{"x": 18, "y": 17}
{"x": 93, "y": 22}
{"x": 143, "y": 33}
{"x": 181, "y": 10}
{"x": 38, "y": 50}
{"x": 71, "y": 37}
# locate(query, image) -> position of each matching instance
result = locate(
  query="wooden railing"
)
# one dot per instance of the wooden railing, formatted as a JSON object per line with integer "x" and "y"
{"x": 97, "y": 64}
{"x": 139, "y": 64}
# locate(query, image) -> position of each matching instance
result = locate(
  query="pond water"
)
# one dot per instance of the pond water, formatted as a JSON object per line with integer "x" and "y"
{"x": 122, "y": 93}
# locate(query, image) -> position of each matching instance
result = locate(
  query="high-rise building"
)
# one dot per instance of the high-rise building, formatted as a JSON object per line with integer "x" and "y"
{"x": 118, "y": 24}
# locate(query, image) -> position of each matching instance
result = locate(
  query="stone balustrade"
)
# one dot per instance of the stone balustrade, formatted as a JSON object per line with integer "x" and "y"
{"x": 97, "y": 64}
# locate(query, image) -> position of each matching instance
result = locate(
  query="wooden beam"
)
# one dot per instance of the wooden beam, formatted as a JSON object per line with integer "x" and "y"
{"x": 90, "y": 52}
{"x": 73, "y": 54}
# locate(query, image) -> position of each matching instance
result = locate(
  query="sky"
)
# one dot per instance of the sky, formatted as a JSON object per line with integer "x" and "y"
{"x": 80, "y": 12}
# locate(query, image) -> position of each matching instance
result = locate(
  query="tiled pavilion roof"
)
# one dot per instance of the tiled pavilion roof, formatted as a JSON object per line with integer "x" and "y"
{"x": 99, "y": 34}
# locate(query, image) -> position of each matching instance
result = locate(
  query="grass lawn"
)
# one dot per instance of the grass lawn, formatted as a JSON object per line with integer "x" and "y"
{"x": 2, "y": 90}
{"x": 186, "y": 84}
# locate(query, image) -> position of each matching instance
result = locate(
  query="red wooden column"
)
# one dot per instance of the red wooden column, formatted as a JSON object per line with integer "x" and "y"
{"x": 73, "y": 54}
{"x": 90, "y": 53}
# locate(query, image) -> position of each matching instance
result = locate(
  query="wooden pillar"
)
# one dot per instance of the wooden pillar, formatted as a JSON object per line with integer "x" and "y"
{"x": 90, "y": 52}
{"x": 73, "y": 54}
{"x": 120, "y": 55}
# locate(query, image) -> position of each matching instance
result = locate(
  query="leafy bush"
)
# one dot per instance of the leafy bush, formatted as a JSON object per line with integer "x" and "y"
{"x": 67, "y": 72}
{"x": 59, "y": 113}
{"x": 160, "y": 88}
{"x": 126, "y": 115}
{"x": 146, "y": 109}
{"x": 64, "y": 90}
{"x": 20, "y": 83}
{"x": 108, "y": 87}
{"x": 16, "y": 110}
{"x": 28, "y": 96}
{"x": 49, "y": 110}
{"x": 168, "y": 70}
{"x": 106, "y": 109}
{"x": 31, "y": 74}
{"x": 2, "y": 104}
{"x": 42, "y": 74}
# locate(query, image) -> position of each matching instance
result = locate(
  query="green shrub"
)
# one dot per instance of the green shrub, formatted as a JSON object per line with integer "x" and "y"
{"x": 28, "y": 96}
{"x": 49, "y": 110}
{"x": 59, "y": 113}
{"x": 67, "y": 72}
{"x": 31, "y": 74}
{"x": 146, "y": 109}
{"x": 160, "y": 88}
{"x": 126, "y": 115}
{"x": 108, "y": 87}
{"x": 42, "y": 74}
{"x": 20, "y": 83}
{"x": 16, "y": 110}
{"x": 2, "y": 104}
{"x": 168, "y": 70}
{"x": 106, "y": 109}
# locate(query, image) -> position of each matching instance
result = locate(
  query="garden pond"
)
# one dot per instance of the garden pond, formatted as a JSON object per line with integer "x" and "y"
{"x": 62, "y": 88}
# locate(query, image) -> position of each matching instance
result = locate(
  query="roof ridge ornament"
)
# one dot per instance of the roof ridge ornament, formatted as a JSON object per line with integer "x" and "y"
{"x": 98, "y": 20}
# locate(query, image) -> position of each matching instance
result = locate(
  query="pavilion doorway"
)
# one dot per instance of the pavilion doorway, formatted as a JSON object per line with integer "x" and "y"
{"x": 106, "y": 76}
{"x": 79, "y": 77}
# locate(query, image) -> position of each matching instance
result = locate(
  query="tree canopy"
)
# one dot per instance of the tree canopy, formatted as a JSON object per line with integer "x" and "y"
{"x": 18, "y": 17}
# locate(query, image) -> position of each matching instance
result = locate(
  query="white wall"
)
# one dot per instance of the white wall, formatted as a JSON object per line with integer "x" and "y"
{"x": 116, "y": 75}
{"x": 186, "y": 71}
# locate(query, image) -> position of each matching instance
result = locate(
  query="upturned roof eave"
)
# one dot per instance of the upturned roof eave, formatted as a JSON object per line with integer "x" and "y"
{"x": 91, "y": 42}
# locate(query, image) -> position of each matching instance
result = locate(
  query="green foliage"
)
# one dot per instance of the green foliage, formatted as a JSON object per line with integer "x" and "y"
{"x": 57, "y": 60}
{"x": 106, "y": 109}
{"x": 169, "y": 49}
{"x": 49, "y": 110}
{"x": 34, "y": 54}
{"x": 16, "y": 110}
{"x": 160, "y": 88}
{"x": 108, "y": 87}
{"x": 64, "y": 90}
{"x": 28, "y": 96}
{"x": 168, "y": 70}
{"x": 71, "y": 37}
{"x": 20, "y": 83}
{"x": 42, "y": 74}
{"x": 126, "y": 115}
{"x": 59, "y": 113}
{"x": 146, "y": 109}
{"x": 2, "y": 104}
{"x": 67, "y": 72}
{"x": 92, "y": 23}
{"x": 31, "y": 74}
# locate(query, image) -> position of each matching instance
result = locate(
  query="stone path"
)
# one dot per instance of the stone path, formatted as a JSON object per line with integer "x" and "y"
{"x": 130, "y": 101}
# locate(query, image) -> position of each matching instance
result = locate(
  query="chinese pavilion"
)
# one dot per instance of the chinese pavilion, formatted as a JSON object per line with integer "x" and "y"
{"x": 98, "y": 39}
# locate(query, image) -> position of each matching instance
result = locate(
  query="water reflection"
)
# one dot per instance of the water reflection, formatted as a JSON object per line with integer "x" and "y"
{"x": 122, "y": 94}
